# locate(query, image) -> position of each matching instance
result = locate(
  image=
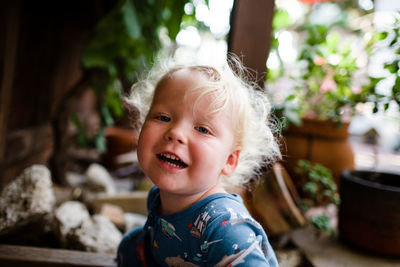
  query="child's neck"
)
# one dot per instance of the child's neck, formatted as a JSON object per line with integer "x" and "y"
{"x": 174, "y": 203}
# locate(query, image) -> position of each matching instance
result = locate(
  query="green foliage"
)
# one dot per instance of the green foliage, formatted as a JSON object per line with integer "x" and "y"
{"x": 280, "y": 21}
{"x": 391, "y": 38}
{"x": 123, "y": 45}
{"x": 322, "y": 223}
{"x": 325, "y": 86}
{"x": 319, "y": 189}
{"x": 81, "y": 137}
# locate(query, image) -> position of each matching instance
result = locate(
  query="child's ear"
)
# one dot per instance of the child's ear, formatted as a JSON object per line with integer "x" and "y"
{"x": 232, "y": 161}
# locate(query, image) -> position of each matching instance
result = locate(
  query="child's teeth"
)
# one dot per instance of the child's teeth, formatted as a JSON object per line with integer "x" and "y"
{"x": 169, "y": 156}
{"x": 172, "y": 160}
{"x": 173, "y": 164}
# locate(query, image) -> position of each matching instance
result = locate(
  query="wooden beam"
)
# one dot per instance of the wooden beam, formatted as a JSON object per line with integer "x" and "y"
{"x": 33, "y": 256}
{"x": 11, "y": 20}
{"x": 249, "y": 38}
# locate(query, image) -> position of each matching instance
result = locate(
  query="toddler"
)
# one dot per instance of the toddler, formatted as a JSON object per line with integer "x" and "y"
{"x": 206, "y": 131}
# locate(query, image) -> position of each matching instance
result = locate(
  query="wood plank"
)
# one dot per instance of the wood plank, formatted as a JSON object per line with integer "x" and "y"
{"x": 323, "y": 251}
{"x": 33, "y": 256}
{"x": 132, "y": 202}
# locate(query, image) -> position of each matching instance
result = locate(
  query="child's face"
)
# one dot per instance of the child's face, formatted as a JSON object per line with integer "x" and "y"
{"x": 182, "y": 149}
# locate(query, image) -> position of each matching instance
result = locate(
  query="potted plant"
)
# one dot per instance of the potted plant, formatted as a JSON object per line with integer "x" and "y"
{"x": 325, "y": 92}
{"x": 322, "y": 94}
{"x": 319, "y": 197}
{"x": 373, "y": 225}
{"x": 369, "y": 212}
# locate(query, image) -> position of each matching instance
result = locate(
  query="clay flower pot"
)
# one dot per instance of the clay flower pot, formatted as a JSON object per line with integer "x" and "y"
{"x": 119, "y": 141}
{"x": 318, "y": 141}
{"x": 369, "y": 213}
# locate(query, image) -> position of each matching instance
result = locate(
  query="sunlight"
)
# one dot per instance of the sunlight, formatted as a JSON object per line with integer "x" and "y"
{"x": 202, "y": 45}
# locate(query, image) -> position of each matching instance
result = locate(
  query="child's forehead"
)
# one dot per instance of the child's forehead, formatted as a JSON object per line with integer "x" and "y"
{"x": 199, "y": 93}
{"x": 197, "y": 74}
{"x": 185, "y": 82}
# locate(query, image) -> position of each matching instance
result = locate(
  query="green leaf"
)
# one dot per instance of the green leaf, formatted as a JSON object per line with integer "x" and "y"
{"x": 290, "y": 97}
{"x": 392, "y": 67}
{"x": 108, "y": 119}
{"x": 174, "y": 22}
{"x": 281, "y": 20}
{"x": 100, "y": 141}
{"x": 332, "y": 40}
{"x": 393, "y": 42}
{"x": 293, "y": 116}
{"x": 375, "y": 109}
{"x": 310, "y": 188}
{"x": 131, "y": 20}
{"x": 304, "y": 164}
{"x": 386, "y": 106}
{"x": 81, "y": 138}
{"x": 383, "y": 35}
{"x": 321, "y": 222}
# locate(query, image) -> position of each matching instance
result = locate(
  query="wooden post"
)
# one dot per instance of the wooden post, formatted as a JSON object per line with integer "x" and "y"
{"x": 11, "y": 13}
{"x": 249, "y": 38}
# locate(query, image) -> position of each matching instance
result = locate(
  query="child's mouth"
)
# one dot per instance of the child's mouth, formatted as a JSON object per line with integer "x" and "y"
{"x": 172, "y": 160}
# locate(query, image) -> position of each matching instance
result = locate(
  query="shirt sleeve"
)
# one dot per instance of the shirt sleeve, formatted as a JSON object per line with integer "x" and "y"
{"x": 237, "y": 242}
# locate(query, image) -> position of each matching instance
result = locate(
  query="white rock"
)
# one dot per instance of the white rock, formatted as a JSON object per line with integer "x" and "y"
{"x": 74, "y": 179}
{"x": 69, "y": 217}
{"x": 133, "y": 220}
{"x": 28, "y": 198}
{"x": 100, "y": 179}
{"x": 98, "y": 234}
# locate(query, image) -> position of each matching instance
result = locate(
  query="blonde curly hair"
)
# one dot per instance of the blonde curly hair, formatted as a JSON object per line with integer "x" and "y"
{"x": 254, "y": 130}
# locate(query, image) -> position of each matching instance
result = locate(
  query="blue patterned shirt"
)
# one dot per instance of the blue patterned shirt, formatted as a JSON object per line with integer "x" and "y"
{"x": 216, "y": 231}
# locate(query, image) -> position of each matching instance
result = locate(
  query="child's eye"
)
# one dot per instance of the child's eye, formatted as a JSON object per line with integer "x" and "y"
{"x": 202, "y": 130}
{"x": 163, "y": 118}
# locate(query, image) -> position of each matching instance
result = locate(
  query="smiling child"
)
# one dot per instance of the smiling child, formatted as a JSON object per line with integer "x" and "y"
{"x": 206, "y": 130}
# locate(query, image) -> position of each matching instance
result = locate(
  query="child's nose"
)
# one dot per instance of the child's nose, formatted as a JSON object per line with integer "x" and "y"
{"x": 176, "y": 134}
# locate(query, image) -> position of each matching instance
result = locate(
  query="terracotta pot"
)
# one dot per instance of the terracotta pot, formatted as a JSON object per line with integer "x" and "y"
{"x": 319, "y": 142}
{"x": 119, "y": 141}
{"x": 369, "y": 213}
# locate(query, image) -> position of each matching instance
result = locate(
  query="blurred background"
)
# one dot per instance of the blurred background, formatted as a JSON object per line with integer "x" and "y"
{"x": 66, "y": 67}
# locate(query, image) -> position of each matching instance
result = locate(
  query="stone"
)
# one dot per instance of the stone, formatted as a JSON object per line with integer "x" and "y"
{"x": 28, "y": 199}
{"x": 133, "y": 220}
{"x": 289, "y": 258}
{"x": 76, "y": 229}
{"x": 99, "y": 179}
{"x": 69, "y": 217}
{"x": 115, "y": 214}
{"x": 74, "y": 179}
{"x": 98, "y": 234}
